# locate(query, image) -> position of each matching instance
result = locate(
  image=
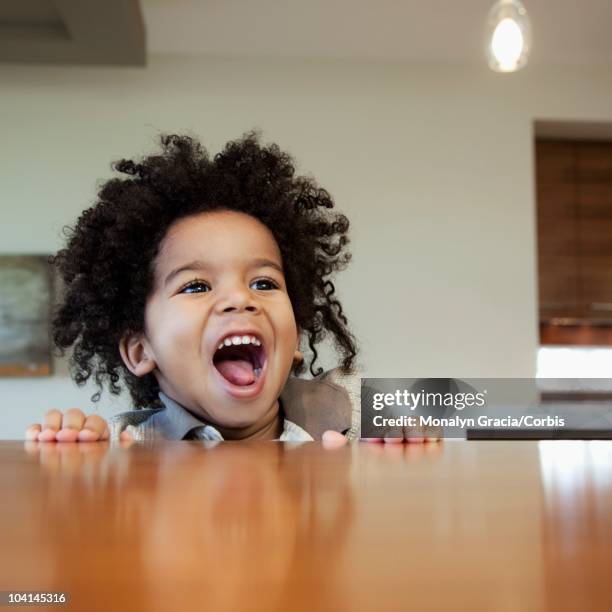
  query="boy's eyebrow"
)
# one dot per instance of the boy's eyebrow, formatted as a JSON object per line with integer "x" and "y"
{"x": 260, "y": 262}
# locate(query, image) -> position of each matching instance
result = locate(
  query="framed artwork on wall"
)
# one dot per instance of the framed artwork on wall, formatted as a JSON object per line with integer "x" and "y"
{"x": 26, "y": 293}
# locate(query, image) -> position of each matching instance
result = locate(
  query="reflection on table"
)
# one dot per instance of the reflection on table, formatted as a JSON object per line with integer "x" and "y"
{"x": 267, "y": 526}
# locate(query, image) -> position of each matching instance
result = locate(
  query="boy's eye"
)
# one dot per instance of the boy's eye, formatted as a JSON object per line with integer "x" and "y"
{"x": 195, "y": 287}
{"x": 264, "y": 284}
{"x": 267, "y": 283}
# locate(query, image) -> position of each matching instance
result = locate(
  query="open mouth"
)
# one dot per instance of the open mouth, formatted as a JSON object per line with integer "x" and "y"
{"x": 240, "y": 364}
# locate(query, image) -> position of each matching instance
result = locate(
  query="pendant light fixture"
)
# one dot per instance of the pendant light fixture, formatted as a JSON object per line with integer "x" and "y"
{"x": 508, "y": 36}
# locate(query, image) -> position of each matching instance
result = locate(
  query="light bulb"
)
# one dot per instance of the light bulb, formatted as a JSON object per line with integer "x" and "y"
{"x": 508, "y": 36}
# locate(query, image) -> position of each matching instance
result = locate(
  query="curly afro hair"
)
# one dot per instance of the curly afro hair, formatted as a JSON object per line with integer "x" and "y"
{"x": 107, "y": 265}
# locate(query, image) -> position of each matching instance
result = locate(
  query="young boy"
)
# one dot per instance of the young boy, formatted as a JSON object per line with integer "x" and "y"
{"x": 192, "y": 280}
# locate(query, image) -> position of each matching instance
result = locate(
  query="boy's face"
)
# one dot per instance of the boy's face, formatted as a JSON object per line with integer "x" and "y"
{"x": 219, "y": 275}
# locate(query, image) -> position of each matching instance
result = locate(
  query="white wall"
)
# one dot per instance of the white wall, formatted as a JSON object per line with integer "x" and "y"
{"x": 432, "y": 164}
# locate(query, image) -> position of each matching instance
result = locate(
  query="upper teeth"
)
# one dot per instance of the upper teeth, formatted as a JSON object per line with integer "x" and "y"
{"x": 239, "y": 340}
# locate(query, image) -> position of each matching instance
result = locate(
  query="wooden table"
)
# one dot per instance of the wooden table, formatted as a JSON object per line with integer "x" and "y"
{"x": 494, "y": 526}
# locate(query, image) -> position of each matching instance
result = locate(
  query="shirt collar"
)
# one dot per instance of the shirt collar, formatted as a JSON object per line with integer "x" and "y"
{"x": 174, "y": 422}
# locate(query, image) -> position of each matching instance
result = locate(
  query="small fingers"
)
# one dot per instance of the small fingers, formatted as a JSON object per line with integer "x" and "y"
{"x": 32, "y": 432}
{"x": 419, "y": 435}
{"x": 52, "y": 419}
{"x": 72, "y": 423}
{"x": 423, "y": 434}
{"x": 67, "y": 435}
{"x": 333, "y": 439}
{"x": 433, "y": 434}
{"x": 73, "y": 419}
{"x": 386, "y": 440}
{"x": 52, "y": 423}
{"x": 93, "y": 429}
{"x": 72, "y": 426}
{"x": 409, "y": 439}
{"x": 125, "y": 439}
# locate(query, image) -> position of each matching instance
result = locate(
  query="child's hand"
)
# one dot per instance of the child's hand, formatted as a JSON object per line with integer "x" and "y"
{"x": 334, "y": 439}
{"x": 416, "y": 435}
{"x": 72, "y": 426}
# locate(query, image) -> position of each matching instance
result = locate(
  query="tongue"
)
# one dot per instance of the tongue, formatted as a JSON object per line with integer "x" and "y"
{"x": 237, "y": 371}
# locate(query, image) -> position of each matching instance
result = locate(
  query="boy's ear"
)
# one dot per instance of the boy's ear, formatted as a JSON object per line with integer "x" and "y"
{"x": 136, "y": 354}
{"x": 298, "y": 356}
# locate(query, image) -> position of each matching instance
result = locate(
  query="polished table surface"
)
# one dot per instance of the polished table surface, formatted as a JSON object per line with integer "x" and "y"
{"x": 265, "y": 526}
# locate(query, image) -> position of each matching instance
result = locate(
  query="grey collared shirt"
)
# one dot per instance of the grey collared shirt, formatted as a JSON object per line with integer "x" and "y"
{"x": 330, "y": 401}
{"x": 173, "y": 422}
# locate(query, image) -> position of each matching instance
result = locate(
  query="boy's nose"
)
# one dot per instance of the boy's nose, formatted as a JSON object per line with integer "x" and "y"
{"x": 236, "y": 301}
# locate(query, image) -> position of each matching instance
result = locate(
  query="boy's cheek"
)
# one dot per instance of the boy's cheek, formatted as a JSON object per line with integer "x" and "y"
{"x": 175, "y": 332}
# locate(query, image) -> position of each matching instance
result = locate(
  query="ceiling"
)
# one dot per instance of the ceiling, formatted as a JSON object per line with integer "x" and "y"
{"x": 72, "y": 32}
{"x": 126, "y": 31}
{"x": 564, "y": 31}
